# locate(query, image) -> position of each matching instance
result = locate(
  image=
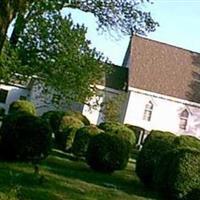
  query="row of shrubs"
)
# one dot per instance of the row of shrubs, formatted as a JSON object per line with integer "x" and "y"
{"x": 171, "y": 164}
{"x": 106, "y": 147}
{"x": 25, "y": 136}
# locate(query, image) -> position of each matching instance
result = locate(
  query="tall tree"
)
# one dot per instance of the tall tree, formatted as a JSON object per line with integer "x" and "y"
{"x": 53, "y": 48}
{"x": 123, "y": 15}
{"x": 56, "y": 51}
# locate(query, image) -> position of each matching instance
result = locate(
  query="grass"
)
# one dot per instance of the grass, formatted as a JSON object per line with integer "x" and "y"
{"x": 63, "y": 178}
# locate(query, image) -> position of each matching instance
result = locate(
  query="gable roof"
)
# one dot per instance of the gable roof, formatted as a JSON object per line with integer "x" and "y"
{"x": 164, "y": 69}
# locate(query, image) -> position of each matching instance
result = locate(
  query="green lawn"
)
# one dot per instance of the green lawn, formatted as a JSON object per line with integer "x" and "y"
{"x": 68, "y": 179}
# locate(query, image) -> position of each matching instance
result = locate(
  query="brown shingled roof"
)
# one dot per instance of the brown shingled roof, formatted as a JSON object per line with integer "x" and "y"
{"x": 164, "y": 69}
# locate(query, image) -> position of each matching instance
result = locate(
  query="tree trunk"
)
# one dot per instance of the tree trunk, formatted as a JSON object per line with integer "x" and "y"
{"x": 8, "y": 11}
{"x": 18, "y": 28}
{"x": 7, "y": 14}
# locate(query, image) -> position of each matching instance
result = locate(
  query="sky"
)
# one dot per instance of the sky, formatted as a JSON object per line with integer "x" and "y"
{"x": 179, "y": 25}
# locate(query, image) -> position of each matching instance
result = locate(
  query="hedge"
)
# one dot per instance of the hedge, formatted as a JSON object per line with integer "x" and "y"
{"x": 53, "y": 118}
{"x": 136, "y": 129}
{"x": 107, "y": 153}
{"x": 162, "y": 169}
{"x": 183, "y": 176}
{"x": 82, "y": 139}
{"x": 22, "y": 106}
{"x": 25, "y": 137}
{"x": 156, "y": 144}
{"x": 79, "y": 116}
{"x": 65, "y": 136}
{"x": 115, "y": 128}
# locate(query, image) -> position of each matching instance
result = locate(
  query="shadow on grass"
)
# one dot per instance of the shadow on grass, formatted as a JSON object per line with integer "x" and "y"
{"x": 124, "y": 180}
{"x": 65, "y": 178}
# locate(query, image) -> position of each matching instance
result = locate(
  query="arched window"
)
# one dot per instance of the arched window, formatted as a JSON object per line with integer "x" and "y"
{"x": 148, "y": 111}
{"x": 184, "y": 119}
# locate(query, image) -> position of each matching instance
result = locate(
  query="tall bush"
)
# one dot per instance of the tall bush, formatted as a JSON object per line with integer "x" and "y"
{"x": 162, "y": 169}
{"x": 184, "y": 173}
{"x": 53, "y": 118}
{"x": 107, "y": 153}
{"x": 25, "y": 137}
{"x": 156, "y": 144}
{"x": 82, "y": 139}
{"x": 65, "y": 136}
{"x": 115, "y": 128}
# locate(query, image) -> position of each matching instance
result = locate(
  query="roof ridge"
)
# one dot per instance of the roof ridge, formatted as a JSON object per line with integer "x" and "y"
{"x": 165, "y": 43}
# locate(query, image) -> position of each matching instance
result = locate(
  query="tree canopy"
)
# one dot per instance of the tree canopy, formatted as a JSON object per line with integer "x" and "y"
{"x": 45, "y": 44}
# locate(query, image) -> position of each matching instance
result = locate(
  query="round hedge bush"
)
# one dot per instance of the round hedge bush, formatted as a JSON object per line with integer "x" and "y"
{"x": 183, "y": 176}
{"x": 162, "y": 169}
{"x": 53, "y": 118}
{"x": 108, "y": 125}
{"x": 187, "y": 141}
{"x": 65, "y": 136}
{"x": 107, "y": 153}
{"x": 25, "y": 137}
{"x": 82, "y": 139}
{"x": 115, "y": 128}
{"x": 22, "y": 106}
{"x": 156, "y": 144}
{"x": 79, "y": 116}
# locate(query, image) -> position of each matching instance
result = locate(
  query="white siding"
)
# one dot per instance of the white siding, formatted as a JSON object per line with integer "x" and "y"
{"x": 165, "y": 115}
{"x": 14, "y": 94}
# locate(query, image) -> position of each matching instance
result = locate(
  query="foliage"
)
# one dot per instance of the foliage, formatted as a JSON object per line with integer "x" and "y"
{"x": 108, "y": 125}
{"x": 22, "y": 106}
{"x": 65, "y": 136}
{"x": 187, "y": 141}
{"x": 82, "y": 139}
{"x": 53, "y": 118}
{"x": 63, "y": 176}
{"x": 125, "y": 16}
{"x": 193, "y": 194}
{"x": 79, "y": 116}
{"x": 112, "y": 107}
{"x": 162, "y": 169}
{"x": 136, "y": 129}
{"x": 155, "y": 146}
{"x": 183, "y": 176}
{"x": 107, "y": 153}
{"x": 115, "y": 128}
{"x": 25, "y": 137}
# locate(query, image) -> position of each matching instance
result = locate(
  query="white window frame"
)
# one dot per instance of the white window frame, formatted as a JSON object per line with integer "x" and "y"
{"x": 148, "y": 111}
{"x": 184, "y": 116}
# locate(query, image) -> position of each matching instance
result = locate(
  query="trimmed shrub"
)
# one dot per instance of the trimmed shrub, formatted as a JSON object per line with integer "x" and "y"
{"x": 25, "y": 137}
{"x": 183, "y": 173}
{"x": 115, "y": 128}
{"x": 107, "y": 126}
{"x": 65, "y": 136}
{"x": 136, "y": 129}
{"x": 187, "y": 141}
{"x": 53, "y": 118}
{"x": 155, "y": 146}
{"x": 162, "y": 169}
{"x": 79, "y": 116}
{"x": 82, "y": 139}
{"x": 107, "y": 153}
{"x": 22, "y": 106}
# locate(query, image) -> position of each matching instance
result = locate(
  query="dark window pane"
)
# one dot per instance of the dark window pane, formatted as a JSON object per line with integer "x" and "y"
{"x": 3, "y": 95}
